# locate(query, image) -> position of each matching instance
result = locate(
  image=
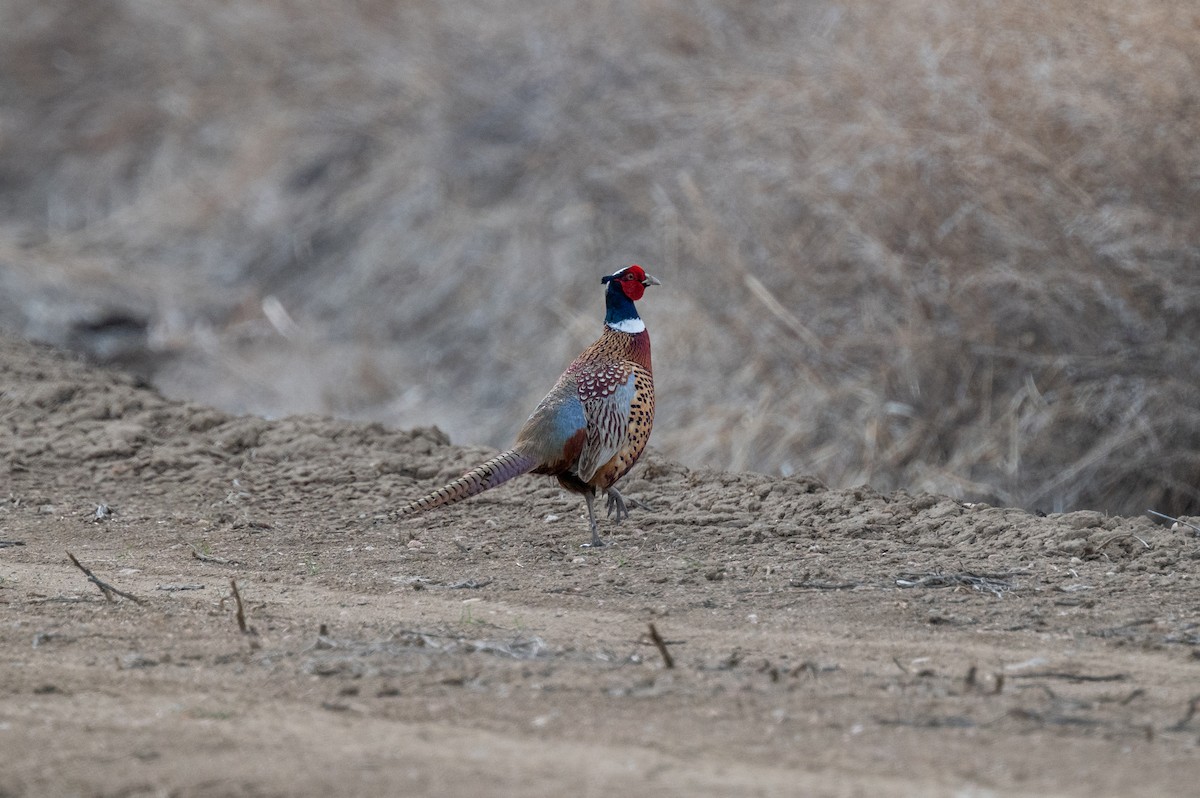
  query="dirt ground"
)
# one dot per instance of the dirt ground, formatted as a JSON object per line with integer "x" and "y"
{"x": 824, "y": 642}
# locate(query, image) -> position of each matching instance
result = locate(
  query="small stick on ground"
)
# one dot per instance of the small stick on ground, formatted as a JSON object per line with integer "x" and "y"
{"x": 1186, "y": 719}
{"x": 1120, "y": 536}
{"x": 1072, "y": 677}
{"x": 470, "y": 584}
{"x": 196, "y": 553}
{"x": 241, "y": 613}
{"x": 997, "y": 584}
{"x": 661, "y": 645}
{"x": 105, "y": 588}
{"x": 1173, "y": 518}
{"x": 806, "y": 584}
{"x": 4, "y": 544}
{"x": 1137, "y": 693}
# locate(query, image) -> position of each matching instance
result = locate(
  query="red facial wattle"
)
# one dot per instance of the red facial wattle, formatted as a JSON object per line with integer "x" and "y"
{"x": 633, "y": 282}
{"x": 633, "y": 289}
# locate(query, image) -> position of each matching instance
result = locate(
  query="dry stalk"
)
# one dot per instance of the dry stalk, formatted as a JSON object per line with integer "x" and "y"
{"x": 241, "y": 613}
{"x": 1176, "y": 520}
{"x": 108, "y": 590}
{"x": 202, "y": 557}
{"x": 661, "y": 645}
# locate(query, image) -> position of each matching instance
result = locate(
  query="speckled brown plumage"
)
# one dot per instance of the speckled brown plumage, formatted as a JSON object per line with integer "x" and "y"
{"x": 618, "y": 425}
{"x": 592, "y": 426}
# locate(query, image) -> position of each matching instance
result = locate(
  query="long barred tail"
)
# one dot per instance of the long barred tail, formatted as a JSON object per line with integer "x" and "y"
{"x": 499, "y": 469}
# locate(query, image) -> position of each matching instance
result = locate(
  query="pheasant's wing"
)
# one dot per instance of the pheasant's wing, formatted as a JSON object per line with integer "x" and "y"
{"x": 607, "y": 396}
{"x": 555, "y": 431}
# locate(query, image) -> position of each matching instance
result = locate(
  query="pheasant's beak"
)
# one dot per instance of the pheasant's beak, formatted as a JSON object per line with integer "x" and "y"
{"x": 651, "y": 280}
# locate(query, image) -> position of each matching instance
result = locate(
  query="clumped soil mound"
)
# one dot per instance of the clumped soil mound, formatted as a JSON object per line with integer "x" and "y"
{"x": 823, "y": 642}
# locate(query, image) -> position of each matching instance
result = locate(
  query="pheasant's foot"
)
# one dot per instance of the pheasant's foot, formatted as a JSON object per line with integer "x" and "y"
{"x": 597, "y": 542}
{"x": 618, "y": 506}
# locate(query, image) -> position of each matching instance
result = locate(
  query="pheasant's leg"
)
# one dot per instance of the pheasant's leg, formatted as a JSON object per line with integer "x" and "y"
{"x": 618, "y": 505}
{"x": 590, "y": 498}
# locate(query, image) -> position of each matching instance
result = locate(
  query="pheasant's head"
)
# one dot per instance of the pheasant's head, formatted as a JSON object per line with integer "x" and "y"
{"x": 625, "y": 287}
{"x": 632, "y": 281}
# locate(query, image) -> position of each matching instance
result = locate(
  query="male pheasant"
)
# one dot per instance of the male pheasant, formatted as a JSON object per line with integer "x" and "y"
{"x": 592, "y": 426}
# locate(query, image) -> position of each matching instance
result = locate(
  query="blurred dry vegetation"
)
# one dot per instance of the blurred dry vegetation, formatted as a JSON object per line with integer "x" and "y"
{"x": 928, "y": 244}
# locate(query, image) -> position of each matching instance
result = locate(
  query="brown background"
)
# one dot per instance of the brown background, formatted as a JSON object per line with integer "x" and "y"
{"x": 921, "y": 244}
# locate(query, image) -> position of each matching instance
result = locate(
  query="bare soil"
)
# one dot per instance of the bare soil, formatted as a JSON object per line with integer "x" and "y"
{"x": 824, "y": 642}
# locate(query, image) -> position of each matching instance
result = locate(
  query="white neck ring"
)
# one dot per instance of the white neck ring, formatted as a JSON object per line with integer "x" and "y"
{"x": 632, "y": 326}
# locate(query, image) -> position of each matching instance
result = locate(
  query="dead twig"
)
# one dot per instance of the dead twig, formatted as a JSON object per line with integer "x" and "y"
{"x": 661, "y": 644}
{"x": 105, "y": 588}
{"x": 1182, "y": 725}
{"x": 470, "y": 584}
{"x": 807, "y": 584}
{"x": 197, "y": 554}
{"x": 946, "y": 722}
{"x": 1136, "y": 693}
{"x": 1072, "y": 677}
{"x": 241, "y": 613}
{"x": 997, "y": 584}
{"x": 1173, "y": 518}
{"x": 4, "y": 544}
{"x": 1120, "y": 536}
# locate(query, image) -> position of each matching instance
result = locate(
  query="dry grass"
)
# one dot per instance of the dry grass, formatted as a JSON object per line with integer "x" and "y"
{"x": 923, "y": 244}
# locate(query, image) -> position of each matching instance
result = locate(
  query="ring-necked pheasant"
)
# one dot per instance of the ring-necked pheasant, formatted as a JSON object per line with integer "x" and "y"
{"x": 592, "y": 426}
